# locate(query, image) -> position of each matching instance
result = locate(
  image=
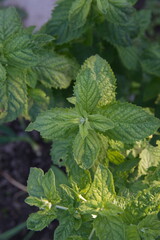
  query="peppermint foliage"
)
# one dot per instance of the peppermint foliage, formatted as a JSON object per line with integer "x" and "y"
{"x": 110, "y": 187}
{"x": 23, "y": 62}
{"x": 86, "y": 216}
{"x": 96, "y": 112}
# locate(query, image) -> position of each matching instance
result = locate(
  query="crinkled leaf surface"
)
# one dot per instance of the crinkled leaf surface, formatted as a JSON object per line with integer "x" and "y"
{"x": 54, "y": 70}
{"x": 65, "y": 229}
{"x": 149, "y": 157}
{"x": 86, "y": 150}
{"x": 10, "y": 23}
{"x": 78, "y": 13}
{"x": 13, "y": 94}
{"x": 34, "y": 183}
{"x": 129, "y": 57}
{"x": 18, "y": 51}
{"x": 149, "y": 227}
{"x": 38, "y": 102}
{"x": 117, "y": 11}
{"x": 132, "y": 123}
{"x": 109, "y": 227}
{"x": 86, "y": 90}
{"x": 55, "y": 123}
{"x": 39, "y": 220}
{"x": 100, "y": 122}
{"x": 151, "y": 60}
{"x": 96, "y": 69}
{"x": 132, "y": 232}
{"x": 43, "y": 194}
{"x": 103, "y": 186}
{"x": 117, "y": 35}
{"x": 60, "y": 24}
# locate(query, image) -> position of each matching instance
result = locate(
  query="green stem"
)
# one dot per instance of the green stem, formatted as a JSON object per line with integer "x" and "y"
{"x": 91, "y": 234}
{"x": 12, "y": 232}
{"x": 61, "y": 207}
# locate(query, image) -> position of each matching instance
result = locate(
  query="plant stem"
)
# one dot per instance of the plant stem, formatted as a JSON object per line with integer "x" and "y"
{"x": 14, "y": 182}
{"x": 91, "y": 234}
{"x": 81, "y": 197}
{"x": 61, "y": 207}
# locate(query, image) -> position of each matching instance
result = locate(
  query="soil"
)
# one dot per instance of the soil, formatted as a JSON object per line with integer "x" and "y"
{"x": 16, "y": 158}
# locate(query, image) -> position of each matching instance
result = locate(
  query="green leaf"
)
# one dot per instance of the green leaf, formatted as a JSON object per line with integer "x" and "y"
{"x": 42, "y": 190}
{"x": 132, "y": 123}
{"x": 34, "y": 183}
{"x": 149, "y": 157}
{"x": 42, "y": 39}
{"x": 118, "y": 11}
{"x": 70, "y": 192}
{"x": 31, "y": 77}
{"x": 102, "y": 188}
{"x": 129, "y": 57}
{"x": 117, "y": 35}
{"x": 109, "y": 227}
{"x": 10, "y": 23}
{"x": 19, "y": 53}
{"x": 99, "y": 74}
{"x": 149, "y": 227}
{"x": 55, "y": 123}
{"x": 100, "y": 122}
{"x": 64, "y": 230}
{"x": 41, "y": 203}
{"x": 143, "y": 18}
{"x": 60, "y": 176}
{"x": 13, "y": 94}
{"x": 34, "y": 201}
{"x": 42, "y": 185}
{"x": 83, "y": 129}
{"x": 41, "y": 219}
{"x": 3, "y": 96}
{"x": 151, "y": 60}
{"x": 80, "y": 178}
{"x": 54, "y": 70}
{"x": 59, "y": 151}
{"x": 49, "y": 187}
{"x": 86, "y": 150}
{"x": 38, "y": 102}
{"x": 78, "y": 13}
{"x": 132, "y": 232}
{"x": 60, "y": 26}
{"x": 146, "y": 202}
{"x": 86, "y": 91}
{"x": 115, "y": 157}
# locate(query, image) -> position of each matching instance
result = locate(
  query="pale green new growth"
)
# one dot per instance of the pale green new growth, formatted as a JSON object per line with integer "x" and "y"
{"x": 102, "y": 189}
{"x": 86, "y": 150}
{"x": 149, "y": 157}
{"x": 96, "y": 69}
{"x": 43, "y": 194}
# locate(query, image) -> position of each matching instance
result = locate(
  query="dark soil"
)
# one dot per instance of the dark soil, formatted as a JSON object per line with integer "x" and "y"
{"x": 16, "y": 158}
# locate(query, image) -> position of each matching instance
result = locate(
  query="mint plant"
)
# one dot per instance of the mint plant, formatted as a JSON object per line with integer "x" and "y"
{"x": 25, "y": 61}
{"x": 109, "y": 147}
{"x": 96, "y": 112}
{"x": 89, "y": 206}
{"x": 98, "y": 214}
